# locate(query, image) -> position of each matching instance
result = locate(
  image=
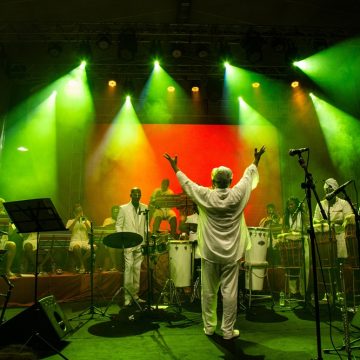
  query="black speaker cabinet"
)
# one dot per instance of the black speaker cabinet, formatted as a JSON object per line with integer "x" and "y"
{"x": 45, "y": 318}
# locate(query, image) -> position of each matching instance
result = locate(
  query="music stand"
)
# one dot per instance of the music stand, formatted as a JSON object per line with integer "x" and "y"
{"x": 35, "y": 215}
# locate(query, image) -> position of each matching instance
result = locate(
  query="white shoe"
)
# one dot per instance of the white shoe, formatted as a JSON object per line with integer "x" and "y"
{"x": 209, "y": 332}
{"x": 235, "y": 334}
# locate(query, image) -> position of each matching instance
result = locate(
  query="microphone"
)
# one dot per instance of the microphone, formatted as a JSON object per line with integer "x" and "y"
{"x": 293, "y": 152}
{"x": 339, "y": 189}
{"x": 145, "y": 211}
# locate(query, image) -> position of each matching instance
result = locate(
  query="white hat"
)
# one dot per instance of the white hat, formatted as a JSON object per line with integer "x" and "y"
{"x": 331, "y": 183}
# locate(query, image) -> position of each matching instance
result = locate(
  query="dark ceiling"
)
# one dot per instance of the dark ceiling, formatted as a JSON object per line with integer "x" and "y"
{"x": 42, "y": 37}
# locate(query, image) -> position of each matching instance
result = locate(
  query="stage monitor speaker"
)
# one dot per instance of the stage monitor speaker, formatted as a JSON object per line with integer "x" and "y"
{"x": 45, "y": 318}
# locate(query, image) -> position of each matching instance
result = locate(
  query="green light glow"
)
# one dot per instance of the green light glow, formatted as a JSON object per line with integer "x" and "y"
{"x": 157, "y": 65}
{"x": 157, "y": 102}
{"x": 336, "y": 70}
{"x": 341, "y": 132}
{"x": 31, "y": 168}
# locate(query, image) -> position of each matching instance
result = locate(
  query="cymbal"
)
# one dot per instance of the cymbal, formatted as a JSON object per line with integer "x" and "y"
{"x": 122, "y": 240}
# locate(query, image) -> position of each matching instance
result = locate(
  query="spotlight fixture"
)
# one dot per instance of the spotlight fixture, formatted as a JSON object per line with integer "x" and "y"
{"x": 295, "y": 84}
{"x": 85, "y": 51}
{"x": 202, "y": 51}
{"x": 177, "y": 51}
{"x": 252, "y": 44}
{"x": 195, "y": 89}
{"x": 103, "y": 42}
{"x": 127, "y": 46}
{"x": 112, "y": 83}
{"x": 171, "y": 89}
{"x": 54, "y": 50}
{"x": 255, "y": 85}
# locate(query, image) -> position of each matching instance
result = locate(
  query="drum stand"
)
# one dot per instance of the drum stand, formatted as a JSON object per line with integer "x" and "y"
{"x": 169, "y": 293}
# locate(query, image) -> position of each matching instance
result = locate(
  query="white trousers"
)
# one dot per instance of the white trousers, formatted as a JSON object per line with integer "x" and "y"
{"x": 213, "y": 277}
{"x": 133, "y": 258}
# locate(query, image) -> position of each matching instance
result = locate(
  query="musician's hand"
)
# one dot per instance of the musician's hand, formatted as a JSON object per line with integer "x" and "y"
{"x": 258, "y": 154}
{"x": 172, "y": 161}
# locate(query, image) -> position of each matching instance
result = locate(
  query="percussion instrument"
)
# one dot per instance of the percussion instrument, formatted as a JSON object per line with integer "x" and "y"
{"x": 161, "y": 243}
{"x": 259, "y": 238}
{"x": 290, "y": 246}
{"x": 352, "y": 245}
{"x": 180, "y": 259}
{"x": 123, "y": 240}
{"x": 326, "y": 244}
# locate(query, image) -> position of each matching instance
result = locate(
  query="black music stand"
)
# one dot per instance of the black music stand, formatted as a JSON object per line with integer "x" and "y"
{"x": 35, "y": 215}
{"x": 8, "y": 293}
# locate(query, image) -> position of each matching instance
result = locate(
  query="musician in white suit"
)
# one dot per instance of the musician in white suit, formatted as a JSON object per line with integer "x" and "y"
{"x": 131, "y": 218}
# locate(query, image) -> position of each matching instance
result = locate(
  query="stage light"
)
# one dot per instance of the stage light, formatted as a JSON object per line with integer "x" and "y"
{"x": 128, "y": 98}
{"x": 22, "y": 148}
{"x": 54, "y": 50}
{"x": 177, "y": 51}
{"x": 112, "y": 83}
{"x": 103, "y": 43}
{"x": 156, "y": 65}
{"x": 171, "y": 89}
{"x": 83, "y": 65}
{"x": 203, "y": 51}
{"x": 195, "y": 89}
{"x": 85, "y": 51}
{"x": 295, "y": 84}
{"x": 226, "y": 64}
{"x": 255, "y": 85}
{"x": 127, "y": 46}
{"x": 252, "y": 44}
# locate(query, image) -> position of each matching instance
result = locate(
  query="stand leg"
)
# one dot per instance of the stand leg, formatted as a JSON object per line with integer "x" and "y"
{"x": 7, "y": 297}
{"x": 118, "y": 292}
{"x": 169, "y": 292}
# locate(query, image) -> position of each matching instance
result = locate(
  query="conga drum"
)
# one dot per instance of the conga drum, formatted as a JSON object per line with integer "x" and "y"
{"x": 326, "y": 245}
{"x": 259, "y": 238}
{"x": 290, "y": 246}
{"x": 352, "y": 245}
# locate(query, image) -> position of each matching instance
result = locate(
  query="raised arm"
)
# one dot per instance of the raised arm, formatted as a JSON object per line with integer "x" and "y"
{"x": 172, "y": 161}
{"x": 257, "y": 155}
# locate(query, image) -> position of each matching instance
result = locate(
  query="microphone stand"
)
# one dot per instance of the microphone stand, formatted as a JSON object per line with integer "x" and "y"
{"x": 92, "y": 309}
{"x": 347, "y": 343}
{"x": 309, "y": 187}
{"x": 149, "y": 297}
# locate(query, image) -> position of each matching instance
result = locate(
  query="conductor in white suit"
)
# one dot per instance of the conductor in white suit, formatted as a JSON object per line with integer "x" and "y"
{"x": 131, "y": 219}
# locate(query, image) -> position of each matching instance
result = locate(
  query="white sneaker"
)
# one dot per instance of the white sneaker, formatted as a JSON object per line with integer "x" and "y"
{"x": 235, "y": 334}
{"x": 209, "y": 332}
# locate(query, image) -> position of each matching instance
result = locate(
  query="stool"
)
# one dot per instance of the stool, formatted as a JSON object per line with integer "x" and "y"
{"x": 258, "y": 270}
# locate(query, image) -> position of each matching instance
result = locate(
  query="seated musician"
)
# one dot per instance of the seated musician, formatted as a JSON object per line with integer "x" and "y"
{"x": 162, "y": 213}
{"x": 115, "y": 255}
{"x": 29, "y": 255}
{"x": 80, "y": 228}
{"x": 272, "y": 218}
{"x": 6, "y": 228}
